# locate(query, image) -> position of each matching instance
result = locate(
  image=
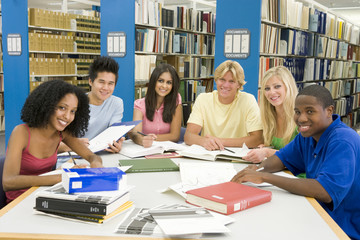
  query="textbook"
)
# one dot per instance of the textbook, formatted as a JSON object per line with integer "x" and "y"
{"x": 133, "y": 150}
{"x": 104, "y": 197}
{"x": 94, "y": 207}
{"x": 91, "y": 179}
{"x": 228, "y": 197}
{"x": 149, "y": 165}
{"x": 199, "y": 152}
{"x": 83, "y": 217}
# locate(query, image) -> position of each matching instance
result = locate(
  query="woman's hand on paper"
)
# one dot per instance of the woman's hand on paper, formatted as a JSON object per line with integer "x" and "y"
{"x": 116, "y": 146}
{"x": 212, "y": 143}
{"x": 148, "y": 140}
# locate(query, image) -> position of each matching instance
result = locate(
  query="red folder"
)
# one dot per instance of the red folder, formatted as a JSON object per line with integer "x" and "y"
{"x": 228, "y": 197}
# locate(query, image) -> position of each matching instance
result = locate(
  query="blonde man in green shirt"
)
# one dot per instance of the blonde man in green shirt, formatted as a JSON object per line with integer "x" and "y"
{"x": 225, "y": 117}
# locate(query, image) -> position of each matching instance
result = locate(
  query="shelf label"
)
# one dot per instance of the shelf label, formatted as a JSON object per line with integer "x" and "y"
{"x": 14, "y": 44}
{"x": 237, "y": 43}
{"x": 116, "y": 44}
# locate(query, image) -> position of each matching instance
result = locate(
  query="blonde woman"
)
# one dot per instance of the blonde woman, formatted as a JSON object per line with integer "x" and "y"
{"x": 277, "y": 99}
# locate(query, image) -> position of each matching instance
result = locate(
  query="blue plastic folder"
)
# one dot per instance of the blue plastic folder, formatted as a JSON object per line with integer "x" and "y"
{"x": 92, "y": 179}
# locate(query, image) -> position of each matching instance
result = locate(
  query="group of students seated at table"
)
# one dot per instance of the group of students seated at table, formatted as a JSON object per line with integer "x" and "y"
{"x": 287, "y": 130}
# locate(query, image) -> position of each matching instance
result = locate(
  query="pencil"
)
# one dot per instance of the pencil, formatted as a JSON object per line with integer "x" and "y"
{"x": 259, "y": 169}
{"x": 141, "y": 133}
{"x": 72, "y": 158}
{"x": 228, "y": 150}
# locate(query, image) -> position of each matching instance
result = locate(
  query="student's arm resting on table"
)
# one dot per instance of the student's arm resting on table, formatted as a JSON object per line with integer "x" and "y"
{"x": 214, "y": 143}
{"x": 137, "y": 138}
{"x": 304, "y": 187}
{"x": 259, "y": 154}
{"x": 12, "y": 179}
{"x": 208, "y": 142}
{"x": 252, "y": 140}
{"x": 77, "y": 146}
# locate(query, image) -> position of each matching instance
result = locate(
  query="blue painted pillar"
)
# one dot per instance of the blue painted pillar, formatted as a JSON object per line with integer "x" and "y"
{"x": 16, "y": 68}
{"x": 119, "y": 16}
{"x": 240, "y": 14}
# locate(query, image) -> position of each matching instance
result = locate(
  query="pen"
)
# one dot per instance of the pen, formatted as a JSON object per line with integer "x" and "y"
{"x": 259, "y": 169}
{"x": 72, "y": 158}
{"x": 141, "y": 133}
{"x": 228, "y": 150}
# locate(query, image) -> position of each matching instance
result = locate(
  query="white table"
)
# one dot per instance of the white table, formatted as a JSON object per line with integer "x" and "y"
{"x": 287, "y": 216}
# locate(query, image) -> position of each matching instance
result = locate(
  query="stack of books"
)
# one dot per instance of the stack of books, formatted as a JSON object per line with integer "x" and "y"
{"x": 96, "y": 207}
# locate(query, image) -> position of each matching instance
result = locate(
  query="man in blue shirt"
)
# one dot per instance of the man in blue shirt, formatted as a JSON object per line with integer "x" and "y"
{"x": 328, "y": 151}
{"x": 105, "y": 108}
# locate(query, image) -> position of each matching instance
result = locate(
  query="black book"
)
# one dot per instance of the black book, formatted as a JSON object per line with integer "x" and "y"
{"x": 43, "y": 203}
{"x": 87, "y": 217}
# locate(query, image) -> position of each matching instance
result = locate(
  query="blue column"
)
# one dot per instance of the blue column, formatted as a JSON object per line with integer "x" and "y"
{"x": 119, "y": 16}
{"x": 235, "y": 14}
{"x": 16, "y": 68}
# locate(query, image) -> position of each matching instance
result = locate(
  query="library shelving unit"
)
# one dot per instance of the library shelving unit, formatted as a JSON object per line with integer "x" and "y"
{"x": 36, "y": 42}
{"x": 61, "y": 45}
{"x": 240, "y": 16}
{"x": 181, "y": 36}
{"x": 318, "y": 47}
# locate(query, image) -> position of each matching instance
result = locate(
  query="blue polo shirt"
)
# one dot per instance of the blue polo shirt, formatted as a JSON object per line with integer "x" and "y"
{"x": 334, "y": 162}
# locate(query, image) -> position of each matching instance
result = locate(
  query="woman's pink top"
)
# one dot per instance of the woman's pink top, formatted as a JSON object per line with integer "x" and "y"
{"x": 31, "y": 165}
{"x": 157, "y": 126}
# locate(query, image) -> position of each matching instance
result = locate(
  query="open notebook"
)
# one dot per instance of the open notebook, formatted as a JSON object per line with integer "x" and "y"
{"x": 133, "y": 150}
{"x": 112, "y": 133}
{"x": 199, "y": 152}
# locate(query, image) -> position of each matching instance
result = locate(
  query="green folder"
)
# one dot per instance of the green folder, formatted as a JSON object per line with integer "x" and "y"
{"x": 149, "y": 165}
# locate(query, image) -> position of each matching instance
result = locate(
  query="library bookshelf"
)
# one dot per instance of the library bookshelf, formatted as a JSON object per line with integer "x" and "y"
{"x": 181, "y": 36}
{"x": 317, "y": 46}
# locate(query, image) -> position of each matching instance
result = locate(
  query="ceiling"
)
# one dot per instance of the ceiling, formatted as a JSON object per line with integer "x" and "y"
{"x": 348, "y": 9}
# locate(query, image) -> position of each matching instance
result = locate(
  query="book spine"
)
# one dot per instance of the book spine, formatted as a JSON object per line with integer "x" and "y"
{"x": 249, "y": 203}
{"x": 153, "y": 170}
{"x": 72, "y": 216}
{"x": 70, "y": 206}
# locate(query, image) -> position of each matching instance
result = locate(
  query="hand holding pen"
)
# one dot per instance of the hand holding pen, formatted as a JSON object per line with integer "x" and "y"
{"x": 147, "y": 139}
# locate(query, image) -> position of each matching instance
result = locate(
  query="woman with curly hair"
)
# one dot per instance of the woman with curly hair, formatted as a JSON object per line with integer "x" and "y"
{"x": 55, "y": 111}
{"x": 160, "y": 110}
{"x": 277, "y": 102}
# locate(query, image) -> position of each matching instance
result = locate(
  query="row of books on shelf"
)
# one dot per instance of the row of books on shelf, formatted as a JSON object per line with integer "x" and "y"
{"x": 2, "y": 122}
{"x": 186, "y": 66}
{"x": 301, "y": 15}
{"x": 170, "y": 41}
{"x": 83, "y": 83}
{"x": 310, "y": 69}
{"x": 323, "y": 69}
{"x": 352, "y": 118}
{"x": 284, "y": 41}
{"x": 152, "y": 12}
{"x": 190, "y": 89}
{"x": 345, "y": 105}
